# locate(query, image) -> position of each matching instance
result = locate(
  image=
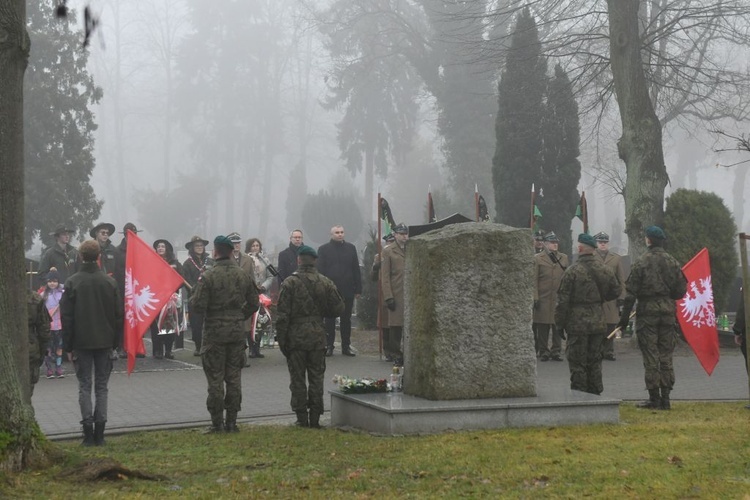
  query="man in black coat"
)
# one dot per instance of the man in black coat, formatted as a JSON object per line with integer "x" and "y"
{"x": 338, "y": 261}
{"x": 288, "y": 256}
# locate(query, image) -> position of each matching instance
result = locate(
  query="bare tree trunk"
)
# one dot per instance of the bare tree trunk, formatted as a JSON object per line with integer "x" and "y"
{"x": 738, "y": 196}
{"x": 368, "y": 214}
{"x": 20, "y": 438}
{"x": 640, "y": 146}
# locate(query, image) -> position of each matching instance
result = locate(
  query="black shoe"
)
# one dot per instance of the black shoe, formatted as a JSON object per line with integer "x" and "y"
{"x": 329, "y": 352}
{"x": 389, "y": 359}
{"x": 196, "y": 352}
{"x": 348, "y": 352}
{"x": 99, "y": 433}
{"x": 138, "y": 355}
{"x": 609, "y": 357}
{"x": 169, "y": 355}
{"x": 302, "y": 420}
{"x": 88, "y": 435}
{"x": 544, "y": 357}
{"x": 556, "y": 357}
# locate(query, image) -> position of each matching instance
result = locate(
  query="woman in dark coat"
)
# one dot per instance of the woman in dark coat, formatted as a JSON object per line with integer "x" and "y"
{"x": 167, "y": 323}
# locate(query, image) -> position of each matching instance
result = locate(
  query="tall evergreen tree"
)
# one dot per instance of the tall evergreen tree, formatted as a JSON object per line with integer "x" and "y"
{"x": 517, "y": 161}
{"x": 561, "y": 169}
{"x": 58, "y": 127}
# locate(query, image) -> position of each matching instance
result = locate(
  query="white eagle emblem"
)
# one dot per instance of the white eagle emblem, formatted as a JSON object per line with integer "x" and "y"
{"x": 137, "y": 302}
{"x": 697, "y": 306}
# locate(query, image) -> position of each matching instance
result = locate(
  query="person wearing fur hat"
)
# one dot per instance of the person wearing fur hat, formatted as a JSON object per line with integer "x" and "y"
{"x": 167, "y": 323}
{"x": 584, "y": 287}
{"x": 195, "y": 265}
{"x": 62, "y": 256}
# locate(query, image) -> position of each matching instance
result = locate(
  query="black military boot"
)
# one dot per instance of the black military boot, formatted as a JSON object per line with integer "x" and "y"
{"x": 99, "y": 433}
{"x": 88, "y": 435}
{"x": 302, "y": 420}
{"x": 653, "y": 401}
{"x": 314, "y": 420}
{"x": 255, "y": 349}
{"x": 217, "y": 424}
{"x": 665, "y": 403}
{"x": 231, "y": 423}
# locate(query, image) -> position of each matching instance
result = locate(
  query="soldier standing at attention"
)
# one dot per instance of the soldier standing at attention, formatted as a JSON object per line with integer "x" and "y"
{"x": 611, "y": 308}
{"x": 549, "y": 266}
{"x": 656, "y": 280}
{"x": 584, "y": 287}
{"x": 226, "y": 296}
{"x": 304, "y": 299}
{"x": 392, "y": 271}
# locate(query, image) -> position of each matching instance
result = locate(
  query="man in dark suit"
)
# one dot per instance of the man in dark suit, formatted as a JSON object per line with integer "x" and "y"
{"x": 288, "y": 256}
{"x": 338, "y": 261}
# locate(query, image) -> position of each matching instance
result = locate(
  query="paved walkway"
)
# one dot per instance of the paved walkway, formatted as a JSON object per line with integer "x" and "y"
{"x": 172, "y": 393}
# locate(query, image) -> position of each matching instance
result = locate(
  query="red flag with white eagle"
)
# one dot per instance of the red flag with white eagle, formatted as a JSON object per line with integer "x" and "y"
{"x": 696, "y": 314}
{"x": 149, "y": 284}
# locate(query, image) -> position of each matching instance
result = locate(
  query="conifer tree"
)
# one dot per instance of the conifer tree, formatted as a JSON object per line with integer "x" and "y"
{"x": 517, "y": 161}
{"x": 561, "y": 169}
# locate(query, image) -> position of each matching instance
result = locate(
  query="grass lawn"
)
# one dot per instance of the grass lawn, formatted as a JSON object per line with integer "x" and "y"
{"x": 697, "y": 450}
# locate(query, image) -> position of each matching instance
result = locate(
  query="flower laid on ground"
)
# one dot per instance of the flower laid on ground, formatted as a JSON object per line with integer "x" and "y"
{"x": 360, "y": 386}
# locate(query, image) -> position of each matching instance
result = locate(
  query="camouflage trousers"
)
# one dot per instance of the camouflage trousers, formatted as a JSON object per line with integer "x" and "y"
{"x": 656, "y": 339}
{"x": 585, "y": 362}
{"x": 222, "y": 364}
{"x": 306, "y": 394}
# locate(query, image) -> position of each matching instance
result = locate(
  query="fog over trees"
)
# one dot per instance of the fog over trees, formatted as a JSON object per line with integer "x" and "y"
{"x": 210, "y": 117}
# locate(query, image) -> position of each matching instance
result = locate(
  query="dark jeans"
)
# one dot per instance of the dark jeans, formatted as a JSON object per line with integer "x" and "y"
{"x": 542, "y": 340}
{"x": 345, "y": 326}
{"x": 100, "y": 362}
{"x": 161, "y": 344}
{"x": 196, "y": 328}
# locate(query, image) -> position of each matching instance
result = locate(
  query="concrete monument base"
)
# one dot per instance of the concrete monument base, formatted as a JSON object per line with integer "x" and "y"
{"x": 397, "y": 413}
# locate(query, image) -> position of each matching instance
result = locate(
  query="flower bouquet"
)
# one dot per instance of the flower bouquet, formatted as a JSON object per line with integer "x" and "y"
{"x": 361, "y": 385}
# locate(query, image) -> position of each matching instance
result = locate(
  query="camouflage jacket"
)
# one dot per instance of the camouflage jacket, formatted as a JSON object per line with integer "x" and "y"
{"x": 227, "y": 296}
{"x": 584, "y": 287}
{"x": 39, "y": 321}
{"x": 655, "y": 280}
{"x": 305, "y": 298}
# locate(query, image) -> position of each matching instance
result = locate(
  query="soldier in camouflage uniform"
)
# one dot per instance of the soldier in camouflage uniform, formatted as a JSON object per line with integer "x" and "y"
{"x": 227, "y": 296}
{"x": 584, "y": 287}
{"x": 39, "y": 336}
{"x": 305, "y": 298}
{"x": 656, "y": 280}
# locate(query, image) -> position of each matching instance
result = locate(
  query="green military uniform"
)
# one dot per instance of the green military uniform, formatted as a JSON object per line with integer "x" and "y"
{"x": 39, "y": 336}
{"x": 611, "y": 308}
{"x": 584, "y": 287}
{"x": 226, "y": 295}
{"x": 305, "y": 298}
{"x": 656, "y": 280}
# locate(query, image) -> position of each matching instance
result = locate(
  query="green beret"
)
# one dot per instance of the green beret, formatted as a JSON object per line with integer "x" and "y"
{"x": 306, "y": 250}
{"x": 223, "y": 240}
{"x": 656, "y": 232}
{"x": 587, "y": 239}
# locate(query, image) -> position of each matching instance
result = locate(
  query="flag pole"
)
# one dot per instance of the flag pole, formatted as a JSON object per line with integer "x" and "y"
{"x": 585, "y": 212}
{"x": 380, "y": 290}
{"x": 531, "y": 214}
{"x": 476, "y": 202}
{"x": 746, "y": 296}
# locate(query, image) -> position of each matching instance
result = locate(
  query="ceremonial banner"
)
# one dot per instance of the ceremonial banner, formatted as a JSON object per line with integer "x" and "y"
{"x": 696, "y": 314}
{"x": 149, "y": 284}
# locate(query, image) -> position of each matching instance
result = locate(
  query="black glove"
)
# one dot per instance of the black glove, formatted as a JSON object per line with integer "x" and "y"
{"x": 536, "y": 304}
{"x": 390, "y": 304}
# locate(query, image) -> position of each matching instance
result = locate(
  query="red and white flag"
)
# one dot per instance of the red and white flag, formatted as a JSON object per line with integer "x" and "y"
{"x": 696, "y": 312}
{"x": 149, "y": 284}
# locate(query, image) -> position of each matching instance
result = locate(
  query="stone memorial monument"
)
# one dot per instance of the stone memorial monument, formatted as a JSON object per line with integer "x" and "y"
{"x": 469, "y": 298}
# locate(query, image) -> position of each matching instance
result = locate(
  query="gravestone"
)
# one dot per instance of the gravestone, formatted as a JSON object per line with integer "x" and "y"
{"x": 469, "y": 299}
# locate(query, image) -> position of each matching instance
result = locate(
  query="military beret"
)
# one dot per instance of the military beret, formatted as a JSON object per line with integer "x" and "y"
{"x": 587, "y": 239}
{"x": 235, "y": 237}
{"x": 223, "y": 240}
{"x": 601, "y": 236}
{"x": 552, "y": 237}
{"x": 401, "y": 229}
{"x": 656, "y": 232}
{"x": 306, "y": 250}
